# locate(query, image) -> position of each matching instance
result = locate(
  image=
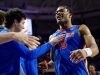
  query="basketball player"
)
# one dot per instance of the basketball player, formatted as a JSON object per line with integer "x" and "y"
{"x": 70, "y": 55}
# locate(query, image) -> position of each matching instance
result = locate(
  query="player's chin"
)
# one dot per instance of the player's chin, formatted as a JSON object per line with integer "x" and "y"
{"x": 59, "y": 21}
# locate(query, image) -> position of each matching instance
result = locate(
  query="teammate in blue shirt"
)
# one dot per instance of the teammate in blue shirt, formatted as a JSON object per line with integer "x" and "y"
{"x": 18, "y": 36}
{"x": 70, "y": 55}
{"x": 11, "y": 52}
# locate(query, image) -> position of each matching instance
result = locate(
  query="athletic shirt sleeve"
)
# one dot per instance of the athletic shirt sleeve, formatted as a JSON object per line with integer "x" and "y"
{"x": 20, "y": 50}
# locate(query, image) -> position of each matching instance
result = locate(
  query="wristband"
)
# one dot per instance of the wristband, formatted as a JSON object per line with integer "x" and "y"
{"x": 88, "y": 52}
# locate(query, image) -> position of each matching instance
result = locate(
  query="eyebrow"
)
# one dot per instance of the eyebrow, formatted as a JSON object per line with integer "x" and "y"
{"x": 59, "y": 10}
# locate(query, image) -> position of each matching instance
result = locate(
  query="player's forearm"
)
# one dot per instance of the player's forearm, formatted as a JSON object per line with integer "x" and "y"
{"x": 90, "y": 43}
{"x": 6, "y": 37}
{"x": 41, "y": 50}
{"x": 94, "y": 49}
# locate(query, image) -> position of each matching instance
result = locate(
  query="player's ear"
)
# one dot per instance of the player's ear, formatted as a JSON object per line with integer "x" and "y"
{"x": 15, "y": 22}
{"x": 70, "y": 15}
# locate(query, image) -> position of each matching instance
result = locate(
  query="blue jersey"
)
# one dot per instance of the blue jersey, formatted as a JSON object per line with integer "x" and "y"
{"x": 61, "y": 52}
{"x": 11, "y": 52}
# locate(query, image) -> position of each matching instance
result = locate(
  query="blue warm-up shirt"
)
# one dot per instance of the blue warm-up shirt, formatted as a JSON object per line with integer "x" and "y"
{"x": 11, "y": 52}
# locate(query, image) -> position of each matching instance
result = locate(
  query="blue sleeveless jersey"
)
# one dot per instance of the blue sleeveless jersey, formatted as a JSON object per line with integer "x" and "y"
{"x": 72, "y": 41}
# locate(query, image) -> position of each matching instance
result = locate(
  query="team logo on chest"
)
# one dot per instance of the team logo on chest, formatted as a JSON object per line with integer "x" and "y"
{"x": 63, "y": 43}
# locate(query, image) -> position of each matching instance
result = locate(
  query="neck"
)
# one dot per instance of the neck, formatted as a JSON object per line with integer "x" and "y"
{"x": 12, "y": 29}
{"x": 68, "y": 25}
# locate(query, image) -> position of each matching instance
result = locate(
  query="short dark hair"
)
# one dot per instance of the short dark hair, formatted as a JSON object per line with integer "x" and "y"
{"x": 68, "y": 8}
{"x": 13, "y": 14}
{"x": 2, "y": 16}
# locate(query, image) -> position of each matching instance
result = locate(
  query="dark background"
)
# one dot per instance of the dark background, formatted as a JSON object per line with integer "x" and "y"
{"x": 43, "y": 21}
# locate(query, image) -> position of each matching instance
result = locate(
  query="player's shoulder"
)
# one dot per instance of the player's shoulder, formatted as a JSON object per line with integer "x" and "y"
{"x": 83, "y": 26}
{"x": 83, "y": 29}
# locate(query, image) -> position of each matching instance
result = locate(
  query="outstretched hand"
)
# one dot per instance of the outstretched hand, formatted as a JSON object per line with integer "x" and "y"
{"x": 77, "y": 55}
{"x": 31, "y": 41}
{"x": 57, "y": 39}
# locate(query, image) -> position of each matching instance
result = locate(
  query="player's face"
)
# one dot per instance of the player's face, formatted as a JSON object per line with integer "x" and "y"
{"x": 62, "y": 14}
{"x": 20, "y": 25}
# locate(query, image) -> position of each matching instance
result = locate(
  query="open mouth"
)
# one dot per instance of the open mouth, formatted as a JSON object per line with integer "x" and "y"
{"x": 60, "y": 17}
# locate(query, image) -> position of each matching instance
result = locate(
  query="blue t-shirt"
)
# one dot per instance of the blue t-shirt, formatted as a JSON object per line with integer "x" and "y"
{"x": 11, "y": 52}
